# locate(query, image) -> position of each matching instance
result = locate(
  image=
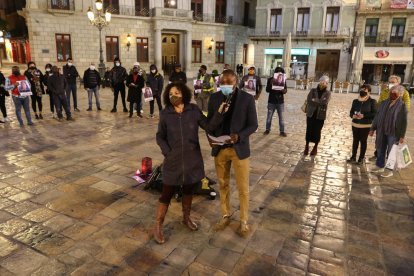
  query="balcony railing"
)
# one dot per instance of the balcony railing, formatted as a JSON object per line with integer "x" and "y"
{"x": 301, "y": 33}
{"x": 371, "y": 38}
{"x": 385, "y": 38}
{"x": 396, "y": 39}
{"x": 63, "y": 5}
{"x": 224, "y": 19}
{"x": 212, "y": 19}
{"x": 304, "y": 34}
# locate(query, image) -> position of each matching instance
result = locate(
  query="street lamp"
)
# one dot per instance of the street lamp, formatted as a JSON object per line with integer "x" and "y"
{"x": 100, "y": 20}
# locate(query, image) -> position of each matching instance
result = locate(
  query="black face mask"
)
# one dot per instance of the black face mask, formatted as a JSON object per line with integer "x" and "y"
{"x": 32, "y": 67}
{"x": 363, "y": 93}
{"x": 201, "y": 72}
{"x": 16, "y": 73}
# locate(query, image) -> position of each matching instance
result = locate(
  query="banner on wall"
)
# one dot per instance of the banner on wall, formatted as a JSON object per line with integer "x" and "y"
{"x": 398, "y": 4}
{"x": 410, "y": 4}
{"x": 373, "y": 3}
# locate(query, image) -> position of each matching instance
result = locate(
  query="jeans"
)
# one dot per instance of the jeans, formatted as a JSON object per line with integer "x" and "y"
{"x": 385, "y": 149}
{"x": 119, "y": 88}
{"x": 202, "y": 100}
{"x": 270, "y": 111}
{"x": 95, "y": 91}
{"x": 152, "y": 103}
{"x": 71, "y": 88}
{"x": 61, "y": 101}
{"x": 18, "y": 103}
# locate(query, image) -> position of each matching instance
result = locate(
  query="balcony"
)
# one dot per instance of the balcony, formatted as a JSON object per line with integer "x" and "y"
{"x": 58, "y": 6}
{"x": 370, "y": 38}
{"x": 203, "y": 17}
{"x": 129, "y": 11}
{"x": 301, "y": 33}
{"x": 311, "y": 34}
{"x": 386, "y": 39}
{"x": 172, "y": 13}
{"x": 396, "y": 39}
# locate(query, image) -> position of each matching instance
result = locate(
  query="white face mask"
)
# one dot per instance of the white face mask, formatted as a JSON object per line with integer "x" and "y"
{"x": 117, "y": 64}
{"x": 92, "y": 67}
{"x": 153, "y": 71}
{"x": 391, "y": 85}
{"x": 47, "y": 69}
{"x": 70, "y": 63}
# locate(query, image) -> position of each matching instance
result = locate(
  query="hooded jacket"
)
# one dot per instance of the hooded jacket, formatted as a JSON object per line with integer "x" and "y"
{"x": 156, "y": 82}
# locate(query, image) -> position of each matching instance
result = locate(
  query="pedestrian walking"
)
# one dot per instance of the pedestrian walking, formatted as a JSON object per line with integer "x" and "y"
{"x": 118, "y": 77}
{"x": 156, "y": 83}
{"x": 178, "y": 139}
{"x": 178, "y": 75}
{"x": 35, "y": 78}
{"x": 207, "y": 88}
{"x": 71, "y": 74}
{"x": 3, "y": 94}
{"x": 362, "y": 112}
{"x": 58, "y": 85}
{"x": 317, "y": 105}
{"x": 20, "y": 100}
{"x": 135, "y": 83}
{"x": 48, "y": 73}
{"x": 390, "y": 124}
{"x": 92, "y": 82}
{"x": 239, "y": 122}
{"x": 252, "y": 84}
{"x": 276, "y": 102}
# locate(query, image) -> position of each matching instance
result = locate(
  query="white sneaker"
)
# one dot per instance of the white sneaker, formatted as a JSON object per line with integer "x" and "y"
{"x": 377, "y": 169}
{"x": 142, "y": 111}
{"x": 6, "y": 120}
{"x": 387, "y": 173}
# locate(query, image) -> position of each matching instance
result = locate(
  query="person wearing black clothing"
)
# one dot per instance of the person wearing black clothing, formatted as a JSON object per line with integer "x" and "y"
{"x": 135, "y": 83}
{"x": 57, "y": 85}
{"x": 70, "y": 73}
{"x": 317, "y": 105}
{"x": 362, "y": 112}
{"x": 178, "y": 76}
{"x": 35, "y": 78}
{"x": 48, "y": 73}
{"x": 276, "y": 102}
{"x": 240, "y": 121}
{"x": 3, "y": 94}
{"x": 91, "y": 82}
{"x": 118, "y": 77}
{"x": 156, "y": 82}
{"x": 107, "y": 78}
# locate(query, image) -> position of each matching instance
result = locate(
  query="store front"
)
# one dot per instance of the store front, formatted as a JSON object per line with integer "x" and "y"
{"x": 299, "y": 62}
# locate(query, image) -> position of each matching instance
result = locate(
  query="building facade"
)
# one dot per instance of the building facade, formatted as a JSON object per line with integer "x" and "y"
{"x": 321, "y": 36}
{"x": 164, "y": 32}
{"x": 388, "y": 29}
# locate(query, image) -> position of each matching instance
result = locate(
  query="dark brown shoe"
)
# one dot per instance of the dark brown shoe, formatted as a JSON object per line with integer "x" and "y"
{"x": 186, "y": 202}
{"x": 314, "y": 151}
{"x": 158, "y": 234}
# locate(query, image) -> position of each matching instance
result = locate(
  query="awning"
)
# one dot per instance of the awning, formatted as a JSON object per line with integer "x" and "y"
{"x": 386, "y": 55}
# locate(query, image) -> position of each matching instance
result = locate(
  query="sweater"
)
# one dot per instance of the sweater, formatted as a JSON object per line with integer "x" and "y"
{"x": 367, "y": 108}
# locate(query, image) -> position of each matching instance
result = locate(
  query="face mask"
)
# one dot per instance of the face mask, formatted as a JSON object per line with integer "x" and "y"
{"x": 47, "y": 69}
{"x": 117, "y": 64}
{"x": 70, "y": 63}
{"x": 176, "y": 100}
{"x": 391, "y": 85}
{"x": 92, "y": 67}
{"x": 16, "y": 73}
{"x": 135, "y": 72}
{"x": 362, "y": 93}
{"x": 322, "y": 86}
{"x": 153, "y": 71}
{"x": 201, "y": 72}
{"x": 32, "y": 67}
{"x": 226, "y": 90}
{"x": 393, "y": 96}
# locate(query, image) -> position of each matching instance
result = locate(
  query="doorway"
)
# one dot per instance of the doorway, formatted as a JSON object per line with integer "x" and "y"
{"x": 170, "y": 52}
{"x": 327, "y": 62}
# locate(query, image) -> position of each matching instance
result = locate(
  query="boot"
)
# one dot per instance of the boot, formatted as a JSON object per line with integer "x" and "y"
{"x": 161, "y": 212}
{"x": 314, "y": 150}
{"x": 306, "y": 152}
{"x": 186, "y": 201}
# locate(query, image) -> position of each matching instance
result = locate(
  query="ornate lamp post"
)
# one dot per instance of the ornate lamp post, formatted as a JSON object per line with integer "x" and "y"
{"x": 100, "y": 20}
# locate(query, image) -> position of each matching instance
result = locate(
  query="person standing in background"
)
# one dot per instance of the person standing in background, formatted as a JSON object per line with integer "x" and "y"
{"x": 156, "y": 83}
{"x": 92, "y": 82}
{"x": 71, "y": 74}
{"x": 118, "y": 77}
{"x": 35, "y": 78}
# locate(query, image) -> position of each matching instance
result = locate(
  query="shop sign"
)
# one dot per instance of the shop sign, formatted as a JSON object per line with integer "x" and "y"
{"x": 398, "y": 4}
{"x": 382, "y": 54}
{"x": 410, "y": 4}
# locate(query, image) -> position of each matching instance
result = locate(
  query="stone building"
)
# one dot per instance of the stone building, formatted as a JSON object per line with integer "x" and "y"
{"x": 388, "y": 28}
{"x": 321, "y": 36}
{"x": 164, "y": 32}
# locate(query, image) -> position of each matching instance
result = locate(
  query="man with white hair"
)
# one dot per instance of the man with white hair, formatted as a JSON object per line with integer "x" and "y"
{"x": 91, "y": 82}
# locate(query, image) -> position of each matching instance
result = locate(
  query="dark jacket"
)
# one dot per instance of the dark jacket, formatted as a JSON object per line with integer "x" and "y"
{"x": 275, "y": 96}
{"x": 244, "y": 120}
{"x": 259, "y": 85}
{"x": 367, "y": 108}
{"x": 178, "y": 77}
{"x": 2, "y": 83}
{"x": 208, "y": 83}
{"x": 57, "y": 84}
{"x": 118, "y": 75}
{"x": 156, "y": 82}
{"x": 107, "y": 79}
{"x": 318, "y": 105}
{"x": 46, "y": 77}
{"x": 177, "y": 137}
{"x": 134, "y": 92}
{"x": 31, "y": 77}
{"x": 91, "y": 79}
{"x": 70, "y": 74}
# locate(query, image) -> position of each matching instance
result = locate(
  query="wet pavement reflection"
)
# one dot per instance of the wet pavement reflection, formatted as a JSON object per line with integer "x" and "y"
{"x": 69, "y": 205}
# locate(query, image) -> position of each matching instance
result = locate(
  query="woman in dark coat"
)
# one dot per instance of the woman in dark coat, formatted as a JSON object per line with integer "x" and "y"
{"x": 156, "y": 82}
{"x": 177, "y": 136}
{"x": 35, "y": 78}
{"x": 318, "y": 99}
{"x": 135, "y": 82}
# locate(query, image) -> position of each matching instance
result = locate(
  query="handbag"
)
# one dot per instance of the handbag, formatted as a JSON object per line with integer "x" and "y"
{"x": 392, "y": 158}
{"x": 304, "y": 106}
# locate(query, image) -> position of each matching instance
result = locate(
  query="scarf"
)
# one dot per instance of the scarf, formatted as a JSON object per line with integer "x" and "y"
{"x": 387, "y": 118}
{"x": 36, "y": 80}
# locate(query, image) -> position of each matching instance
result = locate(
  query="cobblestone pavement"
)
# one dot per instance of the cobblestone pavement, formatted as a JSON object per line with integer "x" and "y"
{"x": 68, "y": 204}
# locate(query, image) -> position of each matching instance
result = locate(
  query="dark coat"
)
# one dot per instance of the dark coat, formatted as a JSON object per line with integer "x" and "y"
{"x": 118, "y": 75}
{"x": 275, "y": 96}
{"x": 91, "y": 79}
{"x": 70, "y": 74}
{"x": 31, "y": 77}
{"x": 57, "y": 84}
{"x": 134, "y": 92}
{"x": 318, "y": 105}
{"x": 156, "y": 82}
{"x": 243, "y": 123}
{"x": 177, "y": 136}
{"x": 367, "y": 108}
{"x": 178, "y": 77}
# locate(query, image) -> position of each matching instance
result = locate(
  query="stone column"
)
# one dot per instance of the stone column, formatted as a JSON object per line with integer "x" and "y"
{"x": 189, "y": 45}
{"x": 158, "y": 49}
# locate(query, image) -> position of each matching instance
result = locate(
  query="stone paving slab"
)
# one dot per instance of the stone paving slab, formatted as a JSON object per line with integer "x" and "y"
{"x": 68, "y": 204}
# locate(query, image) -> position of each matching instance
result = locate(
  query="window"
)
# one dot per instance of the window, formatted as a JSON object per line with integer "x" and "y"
{"x": 275, "y": 21}
{"x": 371, "y": 30}
{"x": 197, "y": 8}
{"x": 397, "y": 30}
{"x": 221, "y": 11}
{"x": 60, "y": 4}
{"x": 170, "y": 4}
{"x": 142, "y": 49}
{"x": 332, "y": 20}
{"x": 196, "y": 51}
{"x": 302, "y": 25}
{"x": 63, "y": 47}
{"x": 111, "y": 5}
{"x": 245, "y": 51}
{"x": 219, "y": 52}
{"x": 142, "y": 7}
{"x": 112, "y": 48}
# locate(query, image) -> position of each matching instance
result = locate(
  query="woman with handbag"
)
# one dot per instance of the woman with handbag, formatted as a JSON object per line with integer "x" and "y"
{"x": 317, "y": 105}
{"x": 362, "y": 112}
